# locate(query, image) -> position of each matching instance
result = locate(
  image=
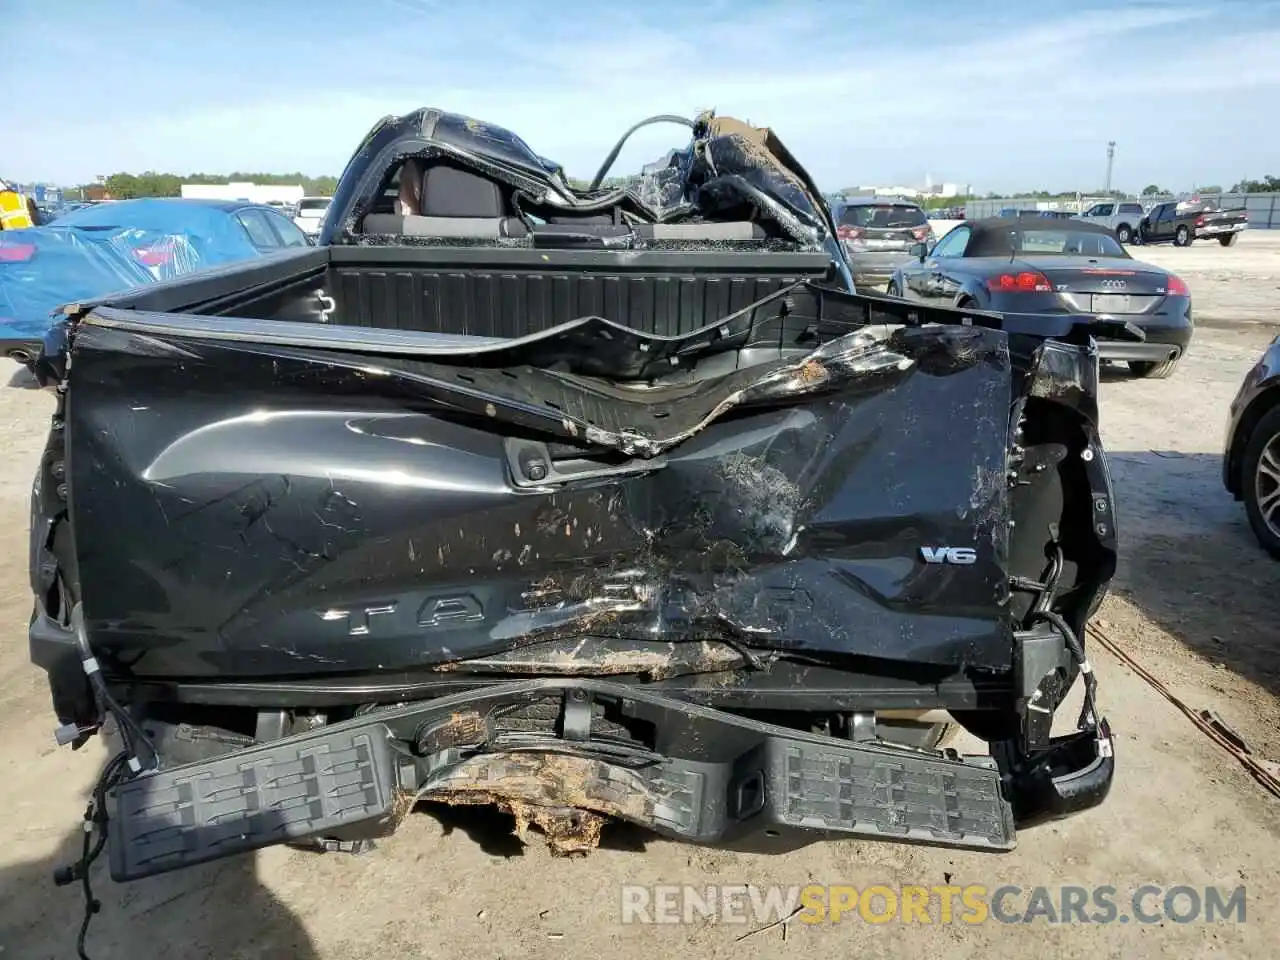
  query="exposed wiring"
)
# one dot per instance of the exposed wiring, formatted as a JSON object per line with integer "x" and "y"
{"x": 123, "y": 766}
{"x": 131, "y": 733}
{"x": 617, "y": 147}
{"x": 1041, "y": 612}
{"x": 1089, "y": 711}
{"x": 95, "y": 838}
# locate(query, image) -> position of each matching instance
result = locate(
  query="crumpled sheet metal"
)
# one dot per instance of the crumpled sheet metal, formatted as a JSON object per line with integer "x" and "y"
{"x": 567, "y": 798}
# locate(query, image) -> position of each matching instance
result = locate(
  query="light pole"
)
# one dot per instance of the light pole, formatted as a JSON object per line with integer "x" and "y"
{"x": 1111, "y": 156}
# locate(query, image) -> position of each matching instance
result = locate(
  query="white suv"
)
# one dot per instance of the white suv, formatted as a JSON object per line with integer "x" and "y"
{"x": 1123, "y": 218}
{"x": 310, "y": 214}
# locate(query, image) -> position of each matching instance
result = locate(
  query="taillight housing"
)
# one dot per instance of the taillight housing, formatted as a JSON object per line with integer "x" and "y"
{"x": 1176, "y": 287}
{"x": 1025, "y": 281}
{"x": 849, "y": 233}
{"x": 156, "y": 256}
{"x": 16, "y": 252}
{"x": 921, "y": 233}
{"x": 1199, "y": 221}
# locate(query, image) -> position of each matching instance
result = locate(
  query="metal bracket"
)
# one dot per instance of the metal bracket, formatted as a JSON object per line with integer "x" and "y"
{"x": 575, "y": 719}
{"x": 327, "y": 305}
{"x": 533, "y": 465}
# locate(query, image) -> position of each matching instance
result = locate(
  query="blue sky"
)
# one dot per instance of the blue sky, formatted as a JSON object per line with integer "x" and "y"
{"x": 1000, "y": 95}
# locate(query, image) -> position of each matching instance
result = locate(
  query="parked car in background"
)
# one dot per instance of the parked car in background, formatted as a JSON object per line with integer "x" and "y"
{"x": 1021, "y": 265}
{"x": 42, "y": 267}
{"x": 1251, "y": 460}
{"x": 1182, "y": 223}
{"x": 108, "y": 247}
{"x": 218, "y": 231}
{"x": 309, "y": 214}
{"x": 878, "y": 234}
{"x": 1008, "y": 212}
{"x": 1122, "y": 217}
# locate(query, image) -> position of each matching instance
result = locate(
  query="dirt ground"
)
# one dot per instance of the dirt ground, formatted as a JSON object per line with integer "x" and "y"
{"x": 1196, "y": 602}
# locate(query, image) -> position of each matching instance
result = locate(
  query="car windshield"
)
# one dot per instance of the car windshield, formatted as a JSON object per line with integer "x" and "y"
{"x": 1069, "y": 243}
{"x": 882, "y": 216}
{"x": 1029, "y": 241}
{"x": 317, "y": 205}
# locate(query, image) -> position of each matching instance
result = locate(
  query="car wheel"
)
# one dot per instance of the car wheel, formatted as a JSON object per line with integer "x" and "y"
{"x": 1123, "y": 233}
{"x": 1153, "y": 369}
{"x": 1261, "y": 482}
{"x": 1182, "y": 237}
{"x": 1229, "y": 240}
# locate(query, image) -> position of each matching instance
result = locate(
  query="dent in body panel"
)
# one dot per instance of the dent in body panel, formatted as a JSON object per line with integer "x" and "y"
{"x": 275, "y": 534}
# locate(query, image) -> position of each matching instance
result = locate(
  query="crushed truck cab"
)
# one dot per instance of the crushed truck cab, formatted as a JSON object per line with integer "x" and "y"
{"x": 616, "y": 502}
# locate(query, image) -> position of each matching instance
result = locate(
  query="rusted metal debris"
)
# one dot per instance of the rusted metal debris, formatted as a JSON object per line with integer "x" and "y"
{"x": 567, "y": 798}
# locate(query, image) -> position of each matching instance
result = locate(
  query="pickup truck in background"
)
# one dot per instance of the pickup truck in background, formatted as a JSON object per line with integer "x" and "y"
{"x": 587, "y": 503}
{"x": 1122, "y": 217}
{"x": 1182, "y": 223}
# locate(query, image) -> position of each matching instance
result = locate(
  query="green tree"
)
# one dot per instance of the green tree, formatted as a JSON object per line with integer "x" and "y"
{"x": 1152, "y": 190}
{"x": 1267, "y": 184}
{"x": 127, "y": 186}
{"x": 123, "y": 186}
{"x": 1212, "y": 188}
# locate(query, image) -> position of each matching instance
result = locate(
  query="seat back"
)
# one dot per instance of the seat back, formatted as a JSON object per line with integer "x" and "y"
{"x": 445, "y": 201}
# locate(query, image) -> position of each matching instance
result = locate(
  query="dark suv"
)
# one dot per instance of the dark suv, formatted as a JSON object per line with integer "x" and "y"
{"x": 878, "y": 235}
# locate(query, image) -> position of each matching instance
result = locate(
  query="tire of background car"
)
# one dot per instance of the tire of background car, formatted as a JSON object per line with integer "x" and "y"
{"x": 1153, "y": 369}
{"x": 1264, "y": 434}
{"x": 1123, "y": 233}
{"x": 1182, "y": 237}
{"x": 1229, "y": 240}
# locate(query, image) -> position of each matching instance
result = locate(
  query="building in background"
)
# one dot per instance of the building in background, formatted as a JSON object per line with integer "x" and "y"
{"x": 930, "y": 189}
{"x": 277, "y": 195}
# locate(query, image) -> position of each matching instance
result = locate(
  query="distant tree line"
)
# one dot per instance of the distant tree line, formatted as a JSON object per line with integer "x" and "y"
{"x": 1267, "y": 184}
{"x": 128, "y": 186}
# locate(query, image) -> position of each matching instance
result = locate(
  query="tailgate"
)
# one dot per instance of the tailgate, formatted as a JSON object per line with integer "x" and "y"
{"x": 1228, "y": 218}
{"x": 307, "y": 500}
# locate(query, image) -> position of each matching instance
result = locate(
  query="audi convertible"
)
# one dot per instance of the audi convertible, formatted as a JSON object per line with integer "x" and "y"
{"x": 1036, "y": 266}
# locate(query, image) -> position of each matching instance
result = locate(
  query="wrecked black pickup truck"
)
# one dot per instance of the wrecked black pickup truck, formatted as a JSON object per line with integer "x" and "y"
{"x": 593, "y": 503}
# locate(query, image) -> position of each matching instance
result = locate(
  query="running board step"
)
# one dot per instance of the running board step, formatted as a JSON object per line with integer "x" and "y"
{"x": 914, "y": 797}
{"x": 269, "y": 794}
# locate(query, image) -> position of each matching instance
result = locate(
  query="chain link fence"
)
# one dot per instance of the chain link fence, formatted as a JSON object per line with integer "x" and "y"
{"x": 1263, "y": 209}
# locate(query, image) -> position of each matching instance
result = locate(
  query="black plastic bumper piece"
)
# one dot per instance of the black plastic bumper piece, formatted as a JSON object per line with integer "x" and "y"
{"x": 719, "y": 779}
{"x": 250, "y": 799}
{"x": 1074, "y": 774}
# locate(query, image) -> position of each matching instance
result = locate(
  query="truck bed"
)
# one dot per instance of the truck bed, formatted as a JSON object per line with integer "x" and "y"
{"x": 485, "y": 291}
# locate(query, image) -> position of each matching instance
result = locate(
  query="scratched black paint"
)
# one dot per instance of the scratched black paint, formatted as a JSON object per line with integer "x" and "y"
{"x": 287, "y": 515}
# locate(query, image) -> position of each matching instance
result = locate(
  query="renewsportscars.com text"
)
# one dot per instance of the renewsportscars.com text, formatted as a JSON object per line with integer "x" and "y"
{"x": 970, "y": 904}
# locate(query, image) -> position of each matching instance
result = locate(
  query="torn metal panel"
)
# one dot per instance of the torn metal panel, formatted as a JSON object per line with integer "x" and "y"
{"x": 727, "y": 167}
{"x": 568, "y": 798}
{"x": 779, "y": 507}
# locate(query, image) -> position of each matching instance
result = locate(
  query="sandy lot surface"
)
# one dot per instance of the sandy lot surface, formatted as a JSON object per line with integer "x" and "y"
{"x": 1196, "y": 602}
